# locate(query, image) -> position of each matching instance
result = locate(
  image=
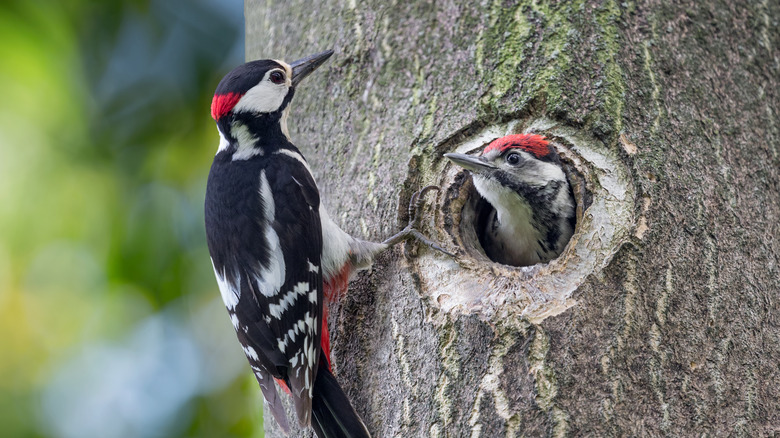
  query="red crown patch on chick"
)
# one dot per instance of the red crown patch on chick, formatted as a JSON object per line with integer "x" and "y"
{"x": 531, "y": 143}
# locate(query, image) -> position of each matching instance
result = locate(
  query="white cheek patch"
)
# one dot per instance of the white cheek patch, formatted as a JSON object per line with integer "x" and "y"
{"x": 542, "y": 173}
{"x": 535, "y": 172}
{"x": 265, "y": 97}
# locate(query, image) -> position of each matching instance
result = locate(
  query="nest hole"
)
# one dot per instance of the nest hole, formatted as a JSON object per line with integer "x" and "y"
{"x": 604, "y": 220}
{"x": 469, "y": 212}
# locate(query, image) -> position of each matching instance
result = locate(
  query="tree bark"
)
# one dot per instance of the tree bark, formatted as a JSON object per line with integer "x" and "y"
{"x": 660, "y": 318}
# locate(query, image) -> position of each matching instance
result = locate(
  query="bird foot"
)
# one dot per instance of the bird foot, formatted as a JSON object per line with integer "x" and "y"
{"x": 410, "y": 231}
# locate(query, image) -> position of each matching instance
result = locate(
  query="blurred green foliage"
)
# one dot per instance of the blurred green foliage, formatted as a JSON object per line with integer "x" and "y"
{"x": 105, "y": 281}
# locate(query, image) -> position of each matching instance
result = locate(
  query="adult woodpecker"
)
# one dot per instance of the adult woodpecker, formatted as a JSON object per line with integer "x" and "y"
{"x": 533, "y": 213}
{"x": 276, "y": 253}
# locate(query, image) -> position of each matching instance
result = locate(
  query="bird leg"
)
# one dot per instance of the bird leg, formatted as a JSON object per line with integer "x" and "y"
{"x": 410, "y": 231}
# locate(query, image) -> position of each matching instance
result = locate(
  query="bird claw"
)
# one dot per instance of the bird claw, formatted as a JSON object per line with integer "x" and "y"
{"x": 430, "y": 243}
{"x": 415, "y": 205}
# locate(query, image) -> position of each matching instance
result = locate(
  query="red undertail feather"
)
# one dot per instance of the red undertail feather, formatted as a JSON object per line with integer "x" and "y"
{"x": 338, "y": 284}
{"x": 332, "y": 413}
{"x": 333, "y": 289}
{"x": 283, "y": 385}
{"x": 325, "y": 338}
{"x": 531, "y": 143}
{"x": 223, "y": 103}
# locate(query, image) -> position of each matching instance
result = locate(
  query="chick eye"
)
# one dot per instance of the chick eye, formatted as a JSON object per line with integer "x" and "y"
{"x": 277, "y": 77}
{"x": 513, "y": 158}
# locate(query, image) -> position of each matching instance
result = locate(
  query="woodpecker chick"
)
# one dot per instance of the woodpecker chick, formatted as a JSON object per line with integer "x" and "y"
{"x": 533, "y": 214}
{"x": 276, "y": 253}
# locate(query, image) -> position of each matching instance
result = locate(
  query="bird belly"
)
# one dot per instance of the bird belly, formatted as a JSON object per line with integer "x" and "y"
{"x": 515, "y": 241}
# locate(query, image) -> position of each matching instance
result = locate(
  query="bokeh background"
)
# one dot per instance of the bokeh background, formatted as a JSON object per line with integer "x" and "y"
{"x": 110, "y": 321}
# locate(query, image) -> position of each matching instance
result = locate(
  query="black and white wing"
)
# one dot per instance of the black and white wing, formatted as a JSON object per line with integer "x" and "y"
{"x": 267, "y": 262}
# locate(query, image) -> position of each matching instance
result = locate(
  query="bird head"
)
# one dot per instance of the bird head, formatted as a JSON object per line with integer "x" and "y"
{"x": 259, "y": 92}
{"x": 521, "y": 177}
{"x": 265, "y": 86}
{"x": 518, "y": 162}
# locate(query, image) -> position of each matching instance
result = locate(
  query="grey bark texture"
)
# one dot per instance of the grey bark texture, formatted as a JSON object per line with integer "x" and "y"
{"x": 662, "y": 317}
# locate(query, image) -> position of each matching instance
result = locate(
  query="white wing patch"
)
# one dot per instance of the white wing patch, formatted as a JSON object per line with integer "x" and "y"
{"x": 312, "y": 266}
{"x": 289, "y": 338}
{"x": 305, "y": 357}
{"x": 250, "y": 352}
{"x": 270, "y": 278}
{"x": 267, "y": 197}
{"x": 230, "y": 292}
{"x": 283, "y": 344}
{"x": 309, "y": 348}
{"x": 309, "y": 320}
{"x": 277, "y": 310}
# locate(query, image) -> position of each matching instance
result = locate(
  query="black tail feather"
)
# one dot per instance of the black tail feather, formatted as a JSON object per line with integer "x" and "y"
{"x": 333, "y": 414}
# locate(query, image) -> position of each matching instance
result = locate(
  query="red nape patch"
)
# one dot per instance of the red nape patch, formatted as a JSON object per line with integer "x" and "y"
{"x": 223, "y": 103}
{"x": 532, "y": 143}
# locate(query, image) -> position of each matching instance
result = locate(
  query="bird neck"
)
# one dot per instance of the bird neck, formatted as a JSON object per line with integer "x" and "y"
{"x": 264, "y": 126}
{"x": 531, "y": 225}
{"x": 513, "y": 232}
{"x": 248, "y": 135}
{"x": 512, "y": 210}
{"x": 514, "y": 219}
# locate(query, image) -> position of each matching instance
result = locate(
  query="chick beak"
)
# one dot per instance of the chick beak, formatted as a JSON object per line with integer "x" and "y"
{"x": 472, "y": 163}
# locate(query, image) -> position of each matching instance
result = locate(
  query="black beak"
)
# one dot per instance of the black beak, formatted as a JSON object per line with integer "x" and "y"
{"x": 302, "y": 67}
{"x": 468, "y": 162}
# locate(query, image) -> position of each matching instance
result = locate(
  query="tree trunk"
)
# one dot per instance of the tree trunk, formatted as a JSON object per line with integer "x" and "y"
{"x": 662, "y": 315}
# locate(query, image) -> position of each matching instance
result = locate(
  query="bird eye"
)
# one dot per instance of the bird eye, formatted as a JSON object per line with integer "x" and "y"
{"x": 277, "y": 77}
{"x": 513, "y": 158}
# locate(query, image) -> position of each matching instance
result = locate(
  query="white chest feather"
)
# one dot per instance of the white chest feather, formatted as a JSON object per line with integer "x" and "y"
{"x": 513, "y": 239}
